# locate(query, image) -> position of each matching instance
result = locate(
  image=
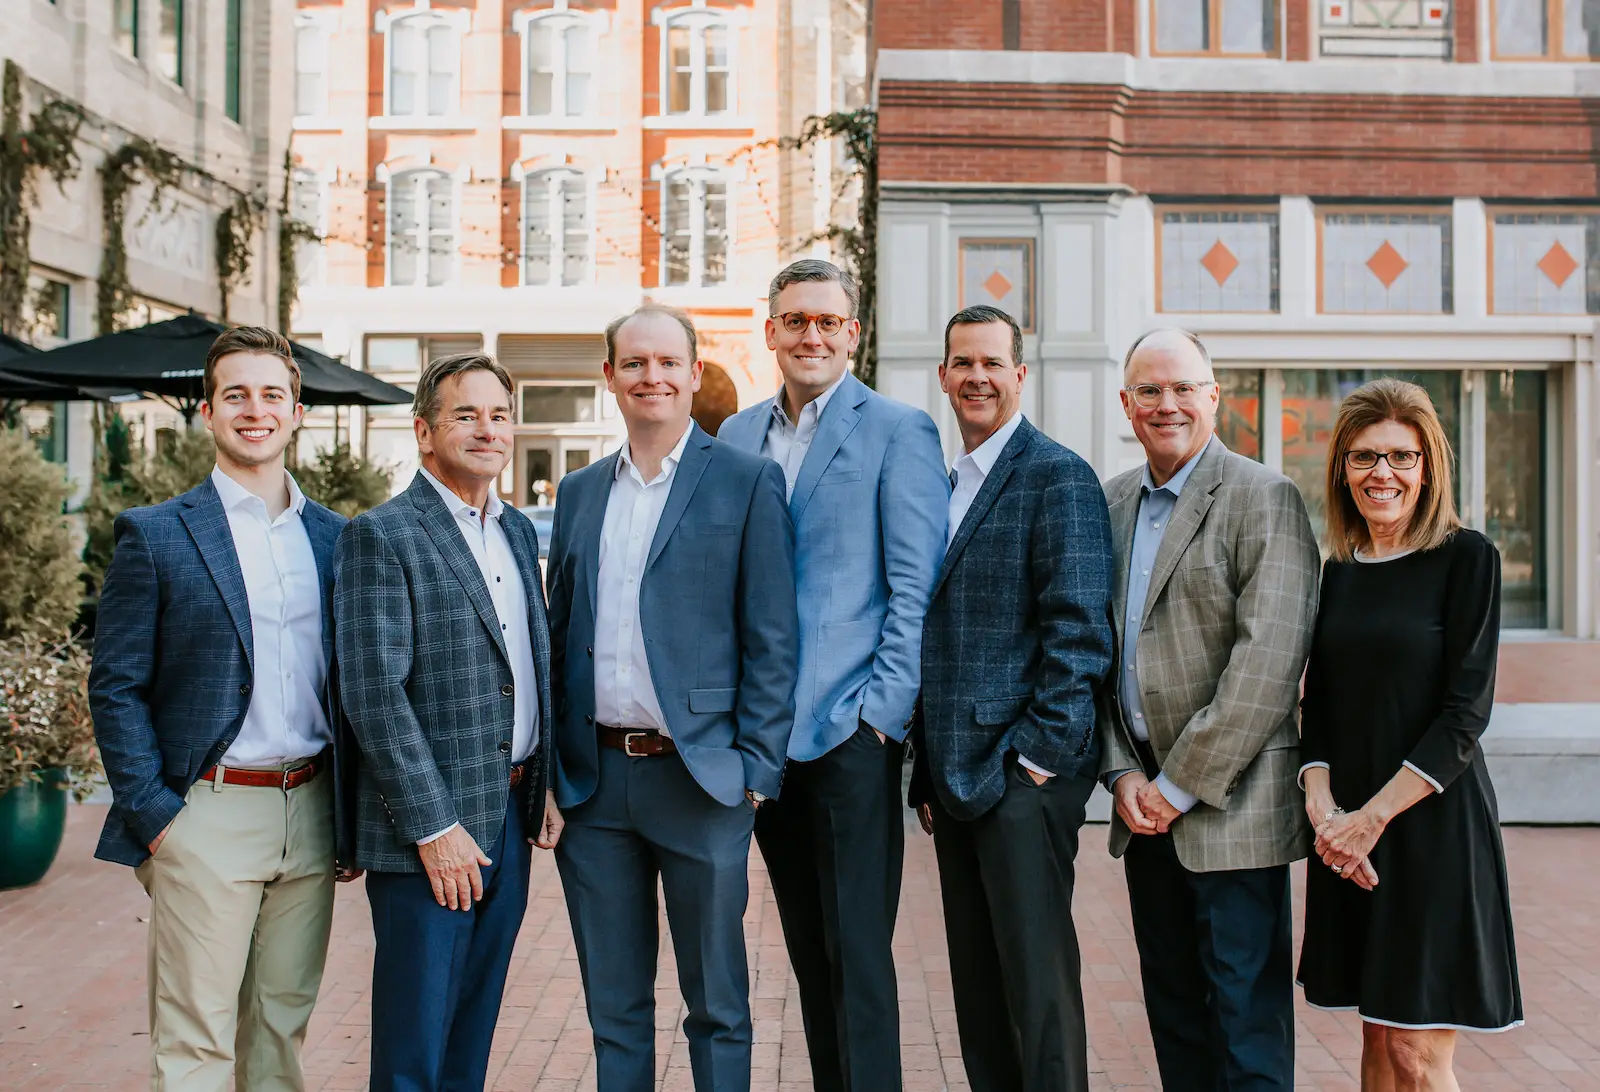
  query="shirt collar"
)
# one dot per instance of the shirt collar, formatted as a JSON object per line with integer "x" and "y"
{"x": 820, "y": 401}
{"x": 1175, "y": 484}
{"x": 986, "y": 454}
{"x": 668, "y": 464}
{"x": 460, "y": 508}
{"x": 233, "y": 494}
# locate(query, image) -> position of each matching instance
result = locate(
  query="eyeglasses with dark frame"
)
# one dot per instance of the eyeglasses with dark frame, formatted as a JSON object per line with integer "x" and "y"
{"x": 1397, "y": 460}
{"x": 1185, "y": 391}
{"x": 796, "y": 322}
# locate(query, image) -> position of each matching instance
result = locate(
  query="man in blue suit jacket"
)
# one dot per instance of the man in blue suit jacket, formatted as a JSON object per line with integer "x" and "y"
{"x": 868, "y": 496}
{"x": 1017, "y": 641}
{"x": 211, "y": 708}
{"x": 673, "y": 641}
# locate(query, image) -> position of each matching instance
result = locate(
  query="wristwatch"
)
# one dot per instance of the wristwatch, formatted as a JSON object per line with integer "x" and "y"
{"x": 754, "y": 797}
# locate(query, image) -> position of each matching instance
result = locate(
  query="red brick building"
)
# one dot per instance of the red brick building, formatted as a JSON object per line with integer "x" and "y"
{"x": 1325, "y": 191}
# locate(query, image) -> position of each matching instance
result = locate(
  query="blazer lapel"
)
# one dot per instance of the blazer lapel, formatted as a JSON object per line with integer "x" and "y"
{"x": 1124, "y": 513}
{"x": 747, "y": 431}
{"x": 436, "y": 519}
{"x": 696, "y": 456}
{"x": 207, "y": 522}
{"x": 519, "y": 533}
{"x": 998, "y": 475}
{"x": 323, "y": 531}
{"x": 1187, "y": 517}
{"x": 839, "y": 420}
{"x": 588, "y": 523}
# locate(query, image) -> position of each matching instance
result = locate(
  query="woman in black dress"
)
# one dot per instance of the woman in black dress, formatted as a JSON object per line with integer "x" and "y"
{"x": 1408, "y": 909}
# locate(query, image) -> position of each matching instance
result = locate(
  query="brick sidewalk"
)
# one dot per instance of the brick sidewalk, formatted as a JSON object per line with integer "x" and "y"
{"x": 72, "y": 1007}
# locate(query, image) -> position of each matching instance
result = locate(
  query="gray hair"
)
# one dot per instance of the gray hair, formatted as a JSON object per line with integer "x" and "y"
{"x": 676, "y": 315}
{"x": 1165, "y": 331}
{"x": 814, "y": 270}
{"x": 425, "y": 404}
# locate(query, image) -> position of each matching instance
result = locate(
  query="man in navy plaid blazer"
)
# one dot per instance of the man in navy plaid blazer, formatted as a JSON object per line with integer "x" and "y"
{"x": 211, "y": 707}
{"x": 1016, "y": 643}
{"x": 444, "y": 657}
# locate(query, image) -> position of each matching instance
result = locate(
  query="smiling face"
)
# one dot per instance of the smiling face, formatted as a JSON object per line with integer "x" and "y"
{"x": 253, "y": 414}
{"x": 810, "y": 362}
{"x": 1172, "y": 431}
{"x": 470, "y": 437}
{"x": 653, "y": 376}
{"x": 1386, "y": 497}
{"x": 981, "y": 380}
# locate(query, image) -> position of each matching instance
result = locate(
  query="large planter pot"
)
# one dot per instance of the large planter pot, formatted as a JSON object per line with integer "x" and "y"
{"x": 32, "y": 820}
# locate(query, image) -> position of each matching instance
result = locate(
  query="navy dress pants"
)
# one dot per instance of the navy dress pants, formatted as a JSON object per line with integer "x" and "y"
{"x": 1214, "y": 954}
{"x": 438, "y": 974}
{"x": 649, "y": 820}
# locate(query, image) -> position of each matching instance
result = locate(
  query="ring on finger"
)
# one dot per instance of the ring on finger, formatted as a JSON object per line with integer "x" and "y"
{"x": 1337, "y": 870}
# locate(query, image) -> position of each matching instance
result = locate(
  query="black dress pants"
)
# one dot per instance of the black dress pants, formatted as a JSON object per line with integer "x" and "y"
{"x": 834, "y": 843}
{"x": 1214, "y": 955}
{"x": 1006, "y": 880}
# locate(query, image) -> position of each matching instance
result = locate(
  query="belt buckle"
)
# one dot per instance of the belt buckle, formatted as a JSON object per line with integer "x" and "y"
{"x": 627, "y": 744}
{"x": 287, "y": 774}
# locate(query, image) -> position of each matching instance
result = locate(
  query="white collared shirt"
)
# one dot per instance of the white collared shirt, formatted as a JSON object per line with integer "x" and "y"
{"x": 486, "y": 538}
{"x": 972, "y": 469}
{"x": 285, "y": 721}
{"x": 788, "y": 442}
{"x": 624, "y": 692}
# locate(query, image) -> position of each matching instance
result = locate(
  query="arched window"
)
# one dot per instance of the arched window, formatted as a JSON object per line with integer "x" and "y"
{"x": 695, "y": 227}
{"x": 558, "y": 54}
{"x": 555, "y": 223}
{"x": 424, "y": 64}
{"x": 697, "y": 62}
{"x": 422, "y": 228}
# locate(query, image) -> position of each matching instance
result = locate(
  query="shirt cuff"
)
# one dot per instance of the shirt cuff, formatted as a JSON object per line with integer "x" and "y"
{"x": 1301, "y": 776}
{"x": 436, "y": 837}
{"x": 1414, "y": 768}
{"x": 1110, "y": 780}
{"x": 1036, "y": 769}
{"x": 1181, "y": 799}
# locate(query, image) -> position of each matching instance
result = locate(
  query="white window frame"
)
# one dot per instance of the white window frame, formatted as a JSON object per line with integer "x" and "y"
{"x": 457, "y": 20}
{"x": 318, "y": 270}
{"x": 558, "y": 253}
{"x": 559, "y": 16}
{"x": 556, "y": 381}
{"x": 698, "y": 175}
{"x": 698, "y": 17}
{"x": 324, "y": 22}
{"x": 390, "y": 176}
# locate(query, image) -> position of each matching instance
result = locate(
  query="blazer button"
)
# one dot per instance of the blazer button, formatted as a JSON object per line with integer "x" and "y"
{"x": 244, "y": 688}
{"x": 505, "y": 746}
{"x": 590, "y": 650}
{"x": 505, "y": 691}
{"x": 588, "y": 720}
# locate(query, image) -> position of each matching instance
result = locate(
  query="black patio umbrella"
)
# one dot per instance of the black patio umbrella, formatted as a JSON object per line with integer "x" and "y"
{"x": 27, "y": 388}
{"x": 167, "y": 359}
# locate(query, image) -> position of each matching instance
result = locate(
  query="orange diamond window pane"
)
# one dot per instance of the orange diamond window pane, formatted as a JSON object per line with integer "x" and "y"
{"x": 1387, "y": 265}
{"x": 1558, "y": 265}
{"x": 1220, "y": 262}
{"x": 997, "y": 285}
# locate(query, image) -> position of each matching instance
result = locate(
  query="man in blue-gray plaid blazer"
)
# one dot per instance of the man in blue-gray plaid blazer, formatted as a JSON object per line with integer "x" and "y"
{"x": 1016, "y": 642}
{"x": 444, "y": 657}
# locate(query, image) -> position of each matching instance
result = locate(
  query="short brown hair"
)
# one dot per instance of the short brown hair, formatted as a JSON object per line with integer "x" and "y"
{"x": 813, "y": 269}
{"x": 250, "y": 339}
{"x": 981, "y": 315}
{"x": 680, "y": 317}
{"x": 426, "y": 402}
{"x": 1434, "y": 519}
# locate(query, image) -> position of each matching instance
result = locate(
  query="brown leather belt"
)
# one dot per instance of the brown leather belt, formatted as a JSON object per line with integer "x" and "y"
{"x": 268, "y": 779}
{"x": 636, "y": 742}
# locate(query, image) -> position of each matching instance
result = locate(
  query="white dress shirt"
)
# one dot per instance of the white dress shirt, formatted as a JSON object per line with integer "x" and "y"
{"x": 624, "y": 692}
{"x": 285, "y": 721}
{"x": 788, "y": 442}
{"x": 966, "y": 478}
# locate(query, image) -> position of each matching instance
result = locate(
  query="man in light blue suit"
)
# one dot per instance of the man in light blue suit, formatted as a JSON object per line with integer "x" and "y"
{"x": 673, "y": 650}
{"x": 869, "y": 499}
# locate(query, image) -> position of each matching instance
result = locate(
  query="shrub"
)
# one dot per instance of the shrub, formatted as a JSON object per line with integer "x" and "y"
{"x": 348, "y": 485}
{"x": 41, "y": 583}
{"x": 45, "y": 722}
{"x": 175, "y": 469}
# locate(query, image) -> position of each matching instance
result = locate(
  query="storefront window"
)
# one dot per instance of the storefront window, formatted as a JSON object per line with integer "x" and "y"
{"x": 1514, "y": 499}
{"x": 1239, "y": 418}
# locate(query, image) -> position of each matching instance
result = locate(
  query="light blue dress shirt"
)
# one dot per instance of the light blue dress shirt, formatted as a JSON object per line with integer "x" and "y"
{"x": 1156, "y": 505}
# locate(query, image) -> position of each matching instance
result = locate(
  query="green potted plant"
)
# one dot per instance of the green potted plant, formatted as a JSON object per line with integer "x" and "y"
{"x": 46, "y": 733}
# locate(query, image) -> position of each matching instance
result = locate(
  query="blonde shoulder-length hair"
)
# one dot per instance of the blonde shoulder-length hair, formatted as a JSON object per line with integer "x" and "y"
{"x": 1434, "y": 519}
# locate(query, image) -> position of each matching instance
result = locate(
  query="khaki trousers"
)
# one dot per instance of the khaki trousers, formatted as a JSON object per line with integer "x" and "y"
{"x": 241, "y": 904}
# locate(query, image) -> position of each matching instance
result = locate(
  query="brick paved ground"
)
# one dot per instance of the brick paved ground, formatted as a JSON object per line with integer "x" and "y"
{"x": 72, "y": 1010}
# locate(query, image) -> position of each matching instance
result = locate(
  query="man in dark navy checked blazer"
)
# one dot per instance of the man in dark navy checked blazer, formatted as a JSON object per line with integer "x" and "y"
{"x": 210, "y": 699}
{"x": 444, "y": 656}
{"x": 1016, "y": 643}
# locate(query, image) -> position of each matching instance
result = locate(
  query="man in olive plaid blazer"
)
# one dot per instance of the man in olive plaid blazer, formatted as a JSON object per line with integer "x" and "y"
{"x": 1213, "y": 605}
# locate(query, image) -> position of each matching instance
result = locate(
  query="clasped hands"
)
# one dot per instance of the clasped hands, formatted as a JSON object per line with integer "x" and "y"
{"x": 1345, "y": 841}
{"x": 1141, "y": 805}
